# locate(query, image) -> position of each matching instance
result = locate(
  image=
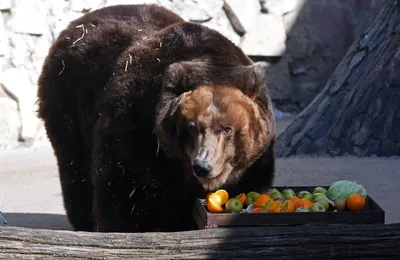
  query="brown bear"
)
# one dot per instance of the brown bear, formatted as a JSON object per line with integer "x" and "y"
{"x": 145, "y": 112}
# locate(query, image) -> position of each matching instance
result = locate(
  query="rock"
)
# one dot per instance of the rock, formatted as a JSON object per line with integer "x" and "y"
{"x": 2, "y": 62}
{"x": 20, "y": 22}
{"x": 3, "y": 38}
{"x": 40, "y": 139}
{"x": 305, "y": 92}
{"x": 42, "y": 45}
{"x": 319, "y": 34}
{"x": 268, "y": 38}
{"x": 263, "y": 6}
{"x": 279, "y": 114}
{"x": 280, "y": 86}
{"x": 3, "y": 221}
{"x": 9, "y": 122}
{"x": 192, "y": 11}
{"x": 279, "y": 7}
{"x": 59, "y": 20}
{"x": 219, "y": 21}
{"x": 5, "y": 5}
{"x": 17, "y": 82}
{"x": 84, "y": 5}
{"x": 244, "y": 11}
{"x": 291, "y": 18}
{"x": 22, "y": 47}
{"x": 129, "y": 2}
{"x": 265, "y": 34}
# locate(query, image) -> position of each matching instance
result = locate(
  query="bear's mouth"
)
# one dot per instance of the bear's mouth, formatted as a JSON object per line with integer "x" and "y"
{"x": 207, "y": 177}
{"x": 211, "y": 173}
{"x": 214, "y": 180}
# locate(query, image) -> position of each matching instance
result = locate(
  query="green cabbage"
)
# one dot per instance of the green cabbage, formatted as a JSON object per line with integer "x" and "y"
{"x": 344, "y": 189}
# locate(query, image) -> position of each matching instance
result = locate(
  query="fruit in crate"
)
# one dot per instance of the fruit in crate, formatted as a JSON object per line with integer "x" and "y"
{"x": 233, "y": 205}
{"x": 355, "y": 202}
{"x": 317, "y": 207}
{"x": 319, "y": 189}
{"x": 305, "y": 195}
{"x": 341, "y": 195}
{"x": 317, "y": 196}
{"x": 261, "y": 200}
{"x": 339, "y": 203}
{"x": 277, "y": 195}
{"x": 345, "y": 188}
{"x": 288, "y": 193}
{"x": 250, "y": 197}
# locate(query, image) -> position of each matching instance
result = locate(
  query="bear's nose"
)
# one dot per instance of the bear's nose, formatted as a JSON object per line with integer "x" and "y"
{"x": 201, "y": 168}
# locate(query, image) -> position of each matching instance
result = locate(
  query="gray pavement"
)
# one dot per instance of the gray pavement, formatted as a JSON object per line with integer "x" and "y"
{"x": 30, "y": 194}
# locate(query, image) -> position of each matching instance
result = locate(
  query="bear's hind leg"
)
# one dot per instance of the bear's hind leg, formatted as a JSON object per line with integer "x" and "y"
{"x": 73, "y": 169}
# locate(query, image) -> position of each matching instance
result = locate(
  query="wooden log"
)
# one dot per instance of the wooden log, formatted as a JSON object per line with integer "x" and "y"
{"x": 313, "y": 241}
{"x": 358, "y": 111}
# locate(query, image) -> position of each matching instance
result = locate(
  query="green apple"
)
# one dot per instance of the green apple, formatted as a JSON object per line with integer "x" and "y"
{"x": 305, "y": 195}
{"x": 271, "y": 190}
{"x": 318, "y": 207}
{"x": 320, "y": 190}
{"x": 250, "y": 197}
{"x": 317, "y": 196}
{"x": 340, "y": 203}
{"x": 252, "y": 193}
{"x": 288, "y": 193}
{"x": 233, "y": 205}
{"x": 302, "y": 209}
{"x": 276, "y": 194}
{"x": 324, "y": 202}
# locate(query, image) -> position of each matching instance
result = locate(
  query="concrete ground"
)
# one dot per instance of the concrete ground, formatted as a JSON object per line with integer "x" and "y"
{"x": 30, "y": 194}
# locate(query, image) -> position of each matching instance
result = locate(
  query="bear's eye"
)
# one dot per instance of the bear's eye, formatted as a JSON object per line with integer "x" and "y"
{"x": 227, "y": 130}
{"x": 192, "y": 129}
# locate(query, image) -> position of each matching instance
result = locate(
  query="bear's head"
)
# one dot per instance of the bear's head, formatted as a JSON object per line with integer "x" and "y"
{"x": 216, "y": 119}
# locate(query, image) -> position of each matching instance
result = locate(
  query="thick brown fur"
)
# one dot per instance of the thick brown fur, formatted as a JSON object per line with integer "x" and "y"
{"x": 119, "y": 91}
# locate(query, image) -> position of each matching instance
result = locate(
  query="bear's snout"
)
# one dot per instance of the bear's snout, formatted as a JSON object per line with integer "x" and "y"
{"x": 201, "y": 167}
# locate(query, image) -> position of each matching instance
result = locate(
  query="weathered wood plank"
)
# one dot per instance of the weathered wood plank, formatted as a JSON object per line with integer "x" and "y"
{"x": 339, "y": 241}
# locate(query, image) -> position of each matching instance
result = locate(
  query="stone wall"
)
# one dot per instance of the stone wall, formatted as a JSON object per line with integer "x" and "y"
{"x": 302, "y": 39}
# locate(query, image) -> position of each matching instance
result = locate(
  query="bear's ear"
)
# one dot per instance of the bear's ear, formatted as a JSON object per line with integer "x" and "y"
{"x": 259, "y": 80}
{"x": 181, "y": 77}
{"x": 167, "y": 108}
{"x": 176, "y": 102}
{"x": 260, "y": 71}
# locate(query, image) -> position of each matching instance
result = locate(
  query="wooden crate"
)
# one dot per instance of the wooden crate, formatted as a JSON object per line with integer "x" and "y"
{"x": 372, "y": 213}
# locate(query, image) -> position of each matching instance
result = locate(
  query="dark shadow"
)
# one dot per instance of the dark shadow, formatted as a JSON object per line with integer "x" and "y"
{"x": 37, "y": 221}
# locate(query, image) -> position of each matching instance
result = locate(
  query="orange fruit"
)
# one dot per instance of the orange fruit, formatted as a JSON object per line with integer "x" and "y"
{"x": 208, "y": 194}
{"x": 216, "y": 198}
{"x": 213, "y": 206}
{"x": 224, "y": 195}
{"x": 275, "y": 206}
{"x": 288, "y": 206}
{"x": 304, "y": 203}
{"x": 355, "y": 202}
{"x": 257, "y": 210}
{"x": 294, "y": 199}
{"x": 241, "y": 197}
{"x": 261, "y": 200}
